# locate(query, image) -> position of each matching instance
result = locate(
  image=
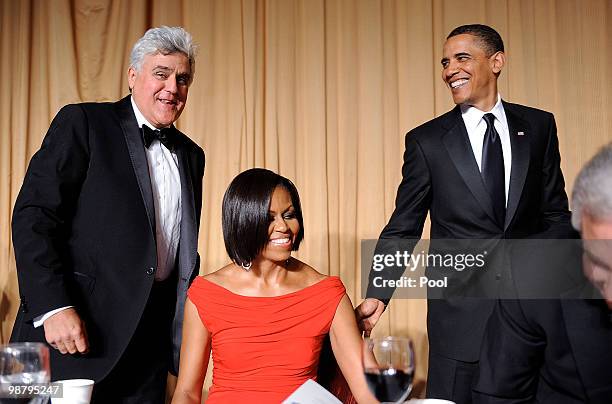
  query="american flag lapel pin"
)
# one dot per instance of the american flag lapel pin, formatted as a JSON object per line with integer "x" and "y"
{"x": 521, "y": 133}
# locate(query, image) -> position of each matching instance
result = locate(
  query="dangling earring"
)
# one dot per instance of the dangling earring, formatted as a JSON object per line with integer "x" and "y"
{"x": 247, "y": 266}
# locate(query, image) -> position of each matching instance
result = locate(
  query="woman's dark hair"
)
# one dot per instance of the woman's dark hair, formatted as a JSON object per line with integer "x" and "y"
{"x": 245, "y": 213}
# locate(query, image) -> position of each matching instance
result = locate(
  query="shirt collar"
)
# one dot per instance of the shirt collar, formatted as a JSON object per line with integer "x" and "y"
{"x": 472, "y": 115}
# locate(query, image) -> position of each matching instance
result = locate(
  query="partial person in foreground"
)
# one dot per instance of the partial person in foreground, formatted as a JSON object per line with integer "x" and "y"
{"x": 559, "y": 351}
{"x": 105, "y": 230}
{"x": 265, "y": 315}
{"x": 487, "y": 170}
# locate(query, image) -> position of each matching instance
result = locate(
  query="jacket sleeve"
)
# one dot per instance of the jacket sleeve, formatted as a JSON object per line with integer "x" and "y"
{"x": 556, "y": 218}
{"x": 405, "y": 226}
{"x": 42, "y": 217}
{"x": 413, "y": 195}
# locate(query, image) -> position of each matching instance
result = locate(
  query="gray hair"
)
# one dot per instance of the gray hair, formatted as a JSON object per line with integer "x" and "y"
{"x": 164, "y": 40}
{"x": 593, "y": 188}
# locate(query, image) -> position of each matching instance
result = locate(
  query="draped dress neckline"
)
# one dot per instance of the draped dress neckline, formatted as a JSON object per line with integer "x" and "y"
{"x": 264, "y": 347}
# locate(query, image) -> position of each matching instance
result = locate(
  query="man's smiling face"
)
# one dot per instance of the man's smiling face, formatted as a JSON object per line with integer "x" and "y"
{"x": 469, "y": 72}
{"x": 160, "y": 87}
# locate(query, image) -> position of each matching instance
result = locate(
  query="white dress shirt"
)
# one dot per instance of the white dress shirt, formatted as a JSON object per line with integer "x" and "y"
{"x": 476, "y": 127}
{"x": 166, "y": 187}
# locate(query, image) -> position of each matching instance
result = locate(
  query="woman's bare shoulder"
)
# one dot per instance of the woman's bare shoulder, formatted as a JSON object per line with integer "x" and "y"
{"x": 222, "y": 275}
{"x": 308, "y": 274}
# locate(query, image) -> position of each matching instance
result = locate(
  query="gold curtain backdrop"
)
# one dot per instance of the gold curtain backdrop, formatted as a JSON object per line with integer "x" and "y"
{"x": 321, "y": 91}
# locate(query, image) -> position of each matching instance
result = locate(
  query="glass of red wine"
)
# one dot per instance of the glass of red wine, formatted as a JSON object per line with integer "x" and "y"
{"x": 389, "y": 368}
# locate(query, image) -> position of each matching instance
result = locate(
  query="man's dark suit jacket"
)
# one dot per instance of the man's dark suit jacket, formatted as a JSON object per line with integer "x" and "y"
{"x": 547, "y": 351}
{"x": 84, "y": 232}
{"x": 440, "y": 175}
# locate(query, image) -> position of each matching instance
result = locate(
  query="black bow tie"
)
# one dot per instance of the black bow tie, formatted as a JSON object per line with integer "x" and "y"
{"x": 167, "y": 136}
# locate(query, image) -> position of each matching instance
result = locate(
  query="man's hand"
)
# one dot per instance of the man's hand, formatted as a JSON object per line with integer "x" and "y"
{"x": 65, "y": 331}
{"x": 368, "y": 313}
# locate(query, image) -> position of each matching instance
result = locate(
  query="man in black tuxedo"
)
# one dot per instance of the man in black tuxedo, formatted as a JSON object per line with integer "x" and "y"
{"x": 105, "y": 230}
{"x": 488, "y": 169}
{"x": 559, "y": 351}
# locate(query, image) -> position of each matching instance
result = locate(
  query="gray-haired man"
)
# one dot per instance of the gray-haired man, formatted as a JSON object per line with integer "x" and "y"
{"x": 105, "y": 229}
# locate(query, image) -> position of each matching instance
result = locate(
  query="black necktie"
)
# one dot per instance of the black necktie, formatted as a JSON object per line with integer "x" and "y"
{"x": 167, "y": 136}
{"x": 493, "y": 169}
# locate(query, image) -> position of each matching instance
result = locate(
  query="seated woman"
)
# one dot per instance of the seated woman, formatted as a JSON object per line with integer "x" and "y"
{"x": 266, "y": 314}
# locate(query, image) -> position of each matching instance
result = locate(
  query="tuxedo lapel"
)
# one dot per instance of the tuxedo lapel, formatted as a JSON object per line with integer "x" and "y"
{"x": 519, "y": 131}
{"x": 589, "y": 330}
{"x": 187, "y": 252}
{"x": 135, "y": 145}
{"x": 188, "y": 238}
{"x": 457, "y": 144}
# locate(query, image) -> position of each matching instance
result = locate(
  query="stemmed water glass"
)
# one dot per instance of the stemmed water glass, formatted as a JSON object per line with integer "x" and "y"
{"x": 388, "y": 363}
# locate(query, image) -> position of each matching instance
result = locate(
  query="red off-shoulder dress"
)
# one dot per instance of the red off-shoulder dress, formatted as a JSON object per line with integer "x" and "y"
{"x": 263, "y": 348}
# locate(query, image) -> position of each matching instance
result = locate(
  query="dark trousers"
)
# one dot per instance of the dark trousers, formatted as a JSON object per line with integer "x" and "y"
{"x": 450, "y": 379}
{"x": 140, "y": 375}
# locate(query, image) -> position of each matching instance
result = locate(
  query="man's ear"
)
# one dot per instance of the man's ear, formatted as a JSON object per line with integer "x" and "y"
{"x": 497, "y": 60}
{"x": 131, "y": 75}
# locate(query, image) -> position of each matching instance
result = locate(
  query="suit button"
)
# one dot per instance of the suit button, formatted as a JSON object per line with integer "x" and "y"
{"x": 150, "y": 271}
{"x": 498, "y": 276}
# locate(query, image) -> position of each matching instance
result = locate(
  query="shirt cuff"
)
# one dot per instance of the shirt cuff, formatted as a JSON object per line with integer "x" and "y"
{"x": 38, "y": 321}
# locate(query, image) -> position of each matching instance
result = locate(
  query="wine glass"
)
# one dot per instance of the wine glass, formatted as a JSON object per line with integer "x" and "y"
{"x": 388, "y": 363}
{"x": 23, "y": 364}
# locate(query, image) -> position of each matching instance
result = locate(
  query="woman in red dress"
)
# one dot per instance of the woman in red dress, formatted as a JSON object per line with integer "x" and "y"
{"x": 265, "y": 315}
